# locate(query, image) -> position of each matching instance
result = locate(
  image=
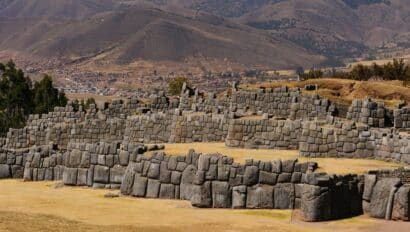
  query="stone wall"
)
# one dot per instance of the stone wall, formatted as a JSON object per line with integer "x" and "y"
{"x": 386, "y": 194}
{"x": 348, "y": 140}
{"x": 215, "y": 181}
{"x": 267, "y": 133}
{"x": 368, "y": 112}
{"x": 402, "y": 118}
{"x": 281, "y": 102}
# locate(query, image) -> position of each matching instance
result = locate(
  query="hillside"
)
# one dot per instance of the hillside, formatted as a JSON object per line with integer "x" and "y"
{"x": 129, "y": 34}
{"x": 336, "y": 28}
{"x": 274, "y": 34}
{"x": 69, "y": 9}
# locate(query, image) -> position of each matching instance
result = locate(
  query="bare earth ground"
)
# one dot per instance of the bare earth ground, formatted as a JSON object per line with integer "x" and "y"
{"x": 39, "y": 206}
{"x": 330, "y": 165}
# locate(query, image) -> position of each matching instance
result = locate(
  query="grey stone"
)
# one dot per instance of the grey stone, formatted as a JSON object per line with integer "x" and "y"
{"x": 116, "y": 174}
{"x": 70, "y": 176}
{"x": 4, "y": 171}
{"x": 401, "y": 207}
{"x": 239, "y": 197}
{"x": 267, "y": 178}
{"x": 380, "y": 196}
{"x": 187, "y": 180}
{"x": 153, "y": 171}
{"x": 259, "y": 197}
{"x": 176, "y": 177}
{"x": 221, "y": 194}
{"x": 101, "y": 174}
{"x": 201, "y": 195}
{"x": 153, "y": 188}
{"x": 124, "y": 157}
{"x": 128, "y": 179}
{"x": 277, "y": 166}
{"x": 316, "y": 203}
{"x": 288, "y": 166}
{"x": 82, "y": 177}
{"x": 284, "y": 195}
{"x": 285, "y": 177}
{"x": 369, "y": 182}
{"x": 167, "y": 191}
{"x": 140, "y": 186}
{"x": 251, "y": 176}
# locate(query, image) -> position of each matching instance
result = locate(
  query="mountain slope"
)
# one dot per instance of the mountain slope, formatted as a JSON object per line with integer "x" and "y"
{"x": 76, "y": 9}
{"x": 134, "y": 33}
{"x": 341, "y": 28}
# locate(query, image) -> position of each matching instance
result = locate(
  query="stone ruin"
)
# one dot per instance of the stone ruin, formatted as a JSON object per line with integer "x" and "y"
{"x": 104, "y": 148}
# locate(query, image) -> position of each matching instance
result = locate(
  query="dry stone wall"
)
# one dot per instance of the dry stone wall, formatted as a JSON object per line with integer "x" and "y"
{"x": 386, "y": 194}
{"x": 348, "y": 140}
{"x": 267, "y": 133}
{"x": 281, "y": 102}
{"x": 215, "y": 181}
{"x": 402, "y": 118}
{"x": 368, "y": 112}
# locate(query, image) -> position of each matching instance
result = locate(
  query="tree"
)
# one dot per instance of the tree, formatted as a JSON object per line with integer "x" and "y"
{"x": 15, "y": 96}
{"x": 46, "y": 97}
{"x": 361, "y": 73}
{"x": 312, "y": 74}
{"x": 89, "y": 102}
{"x": 175, "y": 85}
{"x": 396, "y": 71}
{"x": 18, "y": 98}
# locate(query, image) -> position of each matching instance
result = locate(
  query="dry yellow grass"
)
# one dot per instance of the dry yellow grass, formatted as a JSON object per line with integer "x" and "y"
{"x": 330, "y": 165}
{"x": 344, "y": 91}
{"x": 38, "y": 206}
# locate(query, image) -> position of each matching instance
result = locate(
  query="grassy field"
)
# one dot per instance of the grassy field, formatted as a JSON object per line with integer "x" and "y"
{"x": 330, "y": 165}
{"x": 39, "y": 206}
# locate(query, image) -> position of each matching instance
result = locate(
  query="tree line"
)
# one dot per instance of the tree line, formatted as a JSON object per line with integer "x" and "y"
{"x": 19, "y": 97}
{"x": 396, "y": 70}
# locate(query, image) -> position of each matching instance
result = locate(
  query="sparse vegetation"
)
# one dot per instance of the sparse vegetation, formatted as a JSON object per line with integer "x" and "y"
{"x": 175, "y": 85}
{"x": 396, "y": 70}
{"x": 312, "y": 74}
{"x": 19, "y": 98}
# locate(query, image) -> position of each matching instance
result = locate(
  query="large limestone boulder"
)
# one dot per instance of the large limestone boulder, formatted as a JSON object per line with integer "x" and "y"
{"x": 201, "y": 195}
{"x": 117, "y": 174}
{"x": 369, "y": 182}
{"x": 401, "y": 206}
{"x": 239, "y": 197}
{"x": 167, "y": 191}
{"x": 284, "y": 195}
{"x": 187, "y": 179}
{"x": 153, "y": 188}
{"x": 4, "y": 171}
{"x": 316, "y": 203}
{"x": 259, "y": 197}
{"x": 101, "y": 174}
{"x": 70, "y": 176}
{"x": 380, "y": 196}
{"x": 221, "y": 194}
{"x": 128, "y": 179}
{"x": 140, "y": 186}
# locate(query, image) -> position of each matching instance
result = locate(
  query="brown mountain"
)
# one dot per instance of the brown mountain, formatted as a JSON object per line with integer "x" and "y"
{"x": 275, "y": 33}
{"x": 135, "y": 33}
{"x": 69, "y": 9}
{"x": 342, "y": 28}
